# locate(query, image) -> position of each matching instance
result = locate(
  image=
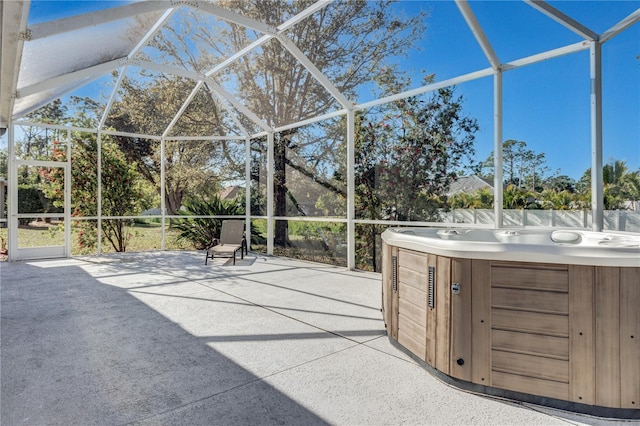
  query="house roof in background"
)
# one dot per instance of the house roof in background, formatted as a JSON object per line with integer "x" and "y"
{"x": 469, "y": 184}
{"x": 230, "y": 192}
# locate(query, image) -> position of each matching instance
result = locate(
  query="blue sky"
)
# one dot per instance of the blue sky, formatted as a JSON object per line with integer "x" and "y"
{"x": 546, "y": 104}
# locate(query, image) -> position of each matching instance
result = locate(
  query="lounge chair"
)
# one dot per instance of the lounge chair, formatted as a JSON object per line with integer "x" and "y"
{"x": 230, "y": 242}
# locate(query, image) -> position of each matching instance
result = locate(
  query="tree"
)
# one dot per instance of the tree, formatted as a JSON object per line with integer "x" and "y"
{"x": 191, "y": 167}
{"x": 120, "y": 189}
{"x": 409, "y": 152}
{"x": 407, "y": 155}
{"x": 562, "y": 183}
{"x": 36, "y": 143}
{"x": 553, "y": 199}
{"x": 348, "y": 44}
{"x": 521, "y": 166}
{"x": 619, "y": 184}
{"x": 512, "y": 159}
{"x": 534, "y": 168}
{"x": 515, "y": 197}
{"x": 480, "y": 199}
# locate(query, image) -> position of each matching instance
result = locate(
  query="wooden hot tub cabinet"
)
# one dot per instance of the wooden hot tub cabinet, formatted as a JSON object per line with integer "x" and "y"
{"x": 566, "y": 336}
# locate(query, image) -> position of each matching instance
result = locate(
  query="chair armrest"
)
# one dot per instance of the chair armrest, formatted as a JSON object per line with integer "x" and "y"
{"x": 214, "y": 242}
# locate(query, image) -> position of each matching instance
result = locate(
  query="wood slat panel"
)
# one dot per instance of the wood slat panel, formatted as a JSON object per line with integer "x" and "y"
{"x": 582, "y": 381}
{"x": 630, "y": 337}
{"x": 546, "y": 279}
{"x": 413, "y": 260}
{"x": 430, "y": 355}
{"x": 409, "y": 310}
{"x": 535, "y": 344}
{"x": 532, "y": 366}
{"x": 413, "y": 345}
{"x": 443, "y": 314}
{"x": 530, "y": 385}
{"x": 413, "y": 295}
{"x": 409, "y": 327}
{"x": 461, "y": 320}
{"x": 541, "y": 301}
{"x": 607, "y": 297}
{"x": 533, "y": 322}
{"x": 529, "y": 265}
{"x": 411, "y": 335}
{"x": 481, "y": 322}
{"x": 415, "y": 279}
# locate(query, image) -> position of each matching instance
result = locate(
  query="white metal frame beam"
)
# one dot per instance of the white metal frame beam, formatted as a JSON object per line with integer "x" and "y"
{"x": 270, "y": 193}
{"x": 351, "y": 190}
{"x": 633, "y": 18}
{"x": 14, "y": 16}
{"x": 32, "y": 107}
{"x": 498, "y": 185}
{"x": 314, "y": 71}
{"x": 70, "y": 78}
{"x": 220, "y": 91}
{"x": 141, "y": 44}
{"x": 265, "y": 38}
{"x": 112, "y": 97}
{"x": 239, "y": 54}
{"x": 563, "y": 19}
{"x": 550, "y": 54}
{"x": 597, "y": 183}
{"x": 427, "y": 88}
{"x": 231, "y": 112}
{"x": 183, "y": 108}
{"x": 478, "y": 33}
{"x": 59, "y": 26}
{"x": 232, "y": 17}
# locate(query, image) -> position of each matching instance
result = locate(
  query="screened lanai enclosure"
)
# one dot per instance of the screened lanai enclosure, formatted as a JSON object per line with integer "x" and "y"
{"x": 135, "y": 126}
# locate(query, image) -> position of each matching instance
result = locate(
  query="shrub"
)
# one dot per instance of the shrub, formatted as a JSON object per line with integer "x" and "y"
{"x": 200, "y": 231}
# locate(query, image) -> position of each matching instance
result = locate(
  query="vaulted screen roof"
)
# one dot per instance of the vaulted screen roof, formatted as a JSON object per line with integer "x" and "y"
{"x": 128, "y": 42}
{"x": 150, "y": 38}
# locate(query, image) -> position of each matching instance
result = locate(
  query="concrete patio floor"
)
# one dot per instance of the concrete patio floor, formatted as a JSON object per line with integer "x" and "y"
{"x": 160, "y": 338}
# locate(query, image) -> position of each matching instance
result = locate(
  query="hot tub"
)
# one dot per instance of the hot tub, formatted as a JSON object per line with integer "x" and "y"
{"x": 544, "y": 316}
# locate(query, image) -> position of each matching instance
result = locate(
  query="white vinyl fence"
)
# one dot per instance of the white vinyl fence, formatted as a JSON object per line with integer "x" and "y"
{"x": 614, "y": 220}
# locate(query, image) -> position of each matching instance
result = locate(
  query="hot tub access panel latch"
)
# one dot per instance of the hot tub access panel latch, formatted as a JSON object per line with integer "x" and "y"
{"x": 455, "y": 288}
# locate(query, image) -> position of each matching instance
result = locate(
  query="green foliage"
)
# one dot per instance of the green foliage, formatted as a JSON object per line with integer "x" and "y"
{"x": 4, "y": 164}
{"x": 620, "y": 185}
{"x": 192, "y": 168}
{"x": 521, "y": 166}
{"x": 31, "y": 199}
{"x": 519, "y": 198}
{"x": 480, "y": 199}
{"x": 407, "y": 153}
{"x": 120, "y": 190}
{"x": 332, "y": 204}
{"x": 201, "y": 231}
{"x": 617, "y": 191}
{"x": 409, "y": 156}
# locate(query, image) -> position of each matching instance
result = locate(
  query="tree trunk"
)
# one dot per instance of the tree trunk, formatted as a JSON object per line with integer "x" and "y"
{"x": 173, "y": 201}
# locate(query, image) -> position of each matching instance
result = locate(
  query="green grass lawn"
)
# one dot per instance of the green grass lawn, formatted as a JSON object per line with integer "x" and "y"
{"x": 308, "y": 241}
{"x": 143, "y": 237}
